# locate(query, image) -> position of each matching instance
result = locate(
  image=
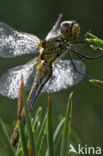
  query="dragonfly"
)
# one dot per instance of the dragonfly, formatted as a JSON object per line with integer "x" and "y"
{"x": 48, "y": 69}
{"x": 14, "y": 43}
{"x": 48, "y": 72}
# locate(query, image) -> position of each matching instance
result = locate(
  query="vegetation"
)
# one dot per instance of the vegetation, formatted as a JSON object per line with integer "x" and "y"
{"x": 36, "y": 136}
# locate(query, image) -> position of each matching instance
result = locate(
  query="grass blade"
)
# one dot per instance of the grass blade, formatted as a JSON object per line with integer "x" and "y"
{"x": 5, "y": 139}
{"x": 37, "y": 130}
{"x": 93, "y": 40}
{"x": 56, "y": 135}
{"x": 41, "y": 135}
{"x": 34, "y": 127}
{"x": 49, "y": 130}
{"x": 57, "y": 131}
{"x": 76, "y": 137}
{"x": 38, "y": 112}
{"x": 36, "y": 121}
{"x": 20, "y": 122}
{"x": 66, "y": 127}
{"x": 29, "y": 126}
{"x": 91, "y": 36}
{"x": 22, "y": 137}
{"x": 98, "y": 83}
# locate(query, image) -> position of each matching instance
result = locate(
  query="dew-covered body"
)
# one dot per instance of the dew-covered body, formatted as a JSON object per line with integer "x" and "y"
{"x": 44, "y": 70}
{"x": 47, "y": 72}
{"x": 50, "y": 50}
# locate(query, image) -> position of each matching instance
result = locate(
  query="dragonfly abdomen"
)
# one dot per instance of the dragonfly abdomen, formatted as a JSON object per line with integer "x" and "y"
{"x": 42, "y": 76}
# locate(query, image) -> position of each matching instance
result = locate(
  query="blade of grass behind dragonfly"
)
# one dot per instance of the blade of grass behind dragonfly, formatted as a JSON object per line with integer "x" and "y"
{"x": 18, "y": 152}
{"x": 34, "y": 127}
{"x": 95, "y": 41}
{"x": 37, "y": 130}
{"x": 57, "y": 133}
{"x": 92, "y": 36}
{"x": 29, "y": 126}
{"x": 38, "y": 112}
{"x": 22, "y": 137}
{"x": 6, "y": 140}
{"x": 36, "y": 120}
{"x": 41, "y": 135}
{"x": 76, "y": 137}
{"x": 20, "y": 122}
{"x": 66, "y": 131}
{"x": 98, "y": 83}
{"x": 49, "y": 130}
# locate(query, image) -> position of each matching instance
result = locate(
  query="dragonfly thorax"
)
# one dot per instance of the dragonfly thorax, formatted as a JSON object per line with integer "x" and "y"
{"x": 53, "y": 48}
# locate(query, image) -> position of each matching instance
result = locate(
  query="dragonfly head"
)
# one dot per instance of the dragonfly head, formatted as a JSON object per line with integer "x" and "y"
{"x": 70, "y": 30}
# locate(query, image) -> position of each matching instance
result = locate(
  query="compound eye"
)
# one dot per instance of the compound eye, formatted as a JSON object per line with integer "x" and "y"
{"x": 65, "y": 25}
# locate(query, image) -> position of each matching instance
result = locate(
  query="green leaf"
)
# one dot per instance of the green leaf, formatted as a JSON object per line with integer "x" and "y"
{"x": 66, "y": 131}
{"x": 22, "y": 137}
{"x": 18, "y": 151}
{"x": 49, "y": 130}
{"x": 37, "y": 130}
{"x": 98, "y": 83}
{"x": 41, "y": 135}
{"x": 57, "y": 133}
{"x": 34, "y": 127}
{"x": 38, "y": 112}
{"x": 76, "y": 137}
{"x": 92, "y": 36}
{"x": 93, "y": 40}
{"x": 29, "y": 126}
{"x": 6, "y": 140}
{"x": 36, "y": 121}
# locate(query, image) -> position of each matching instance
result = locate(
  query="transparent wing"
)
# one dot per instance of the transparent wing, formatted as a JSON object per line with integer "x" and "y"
{"x": 64, "y": 76}
{"x": 55, "y": 30}
{"x": 14, "y": 43}
{"x": 10, "y": 81}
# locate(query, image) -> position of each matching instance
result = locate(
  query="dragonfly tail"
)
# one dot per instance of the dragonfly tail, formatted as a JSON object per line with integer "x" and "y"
{"x": 35, "y": 91}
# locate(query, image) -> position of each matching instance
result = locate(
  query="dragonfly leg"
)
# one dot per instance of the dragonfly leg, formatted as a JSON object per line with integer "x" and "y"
{"x": 77, "y": 42}
{"x": 87, "y": 76}
{"x": 82, "y": 40}
{"x": 74, "y": 50}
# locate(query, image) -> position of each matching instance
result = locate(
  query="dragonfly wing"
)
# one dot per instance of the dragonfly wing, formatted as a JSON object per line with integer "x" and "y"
{"x": 55, "y": 30}
{"x": 64, "y": 76}
{"x": 10, "y": 81}
{"x": 14, "y": 43}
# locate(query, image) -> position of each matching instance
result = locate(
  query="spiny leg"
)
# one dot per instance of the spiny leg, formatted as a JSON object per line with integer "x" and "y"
{"x": 74, "y": 50}
{"x": 87, "y": 76}
{"x": 82, "y": 40}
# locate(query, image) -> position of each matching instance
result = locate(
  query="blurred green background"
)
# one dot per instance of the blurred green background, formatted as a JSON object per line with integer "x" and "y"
{"x": 37, "y": 17}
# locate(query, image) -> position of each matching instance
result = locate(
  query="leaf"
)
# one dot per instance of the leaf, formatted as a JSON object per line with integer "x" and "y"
{"x": 5, "y": 139}
{"x": 95, "y": 41}
{"x": 98, "y": 83}
{"x": 29, "y": 126}
{"x": 49, "y": 130}
{"x": 66, "y": 130}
